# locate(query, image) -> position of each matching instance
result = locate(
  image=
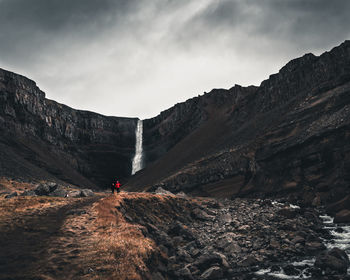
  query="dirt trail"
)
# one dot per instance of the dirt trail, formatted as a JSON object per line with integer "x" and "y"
{"x": 35, "y": 245}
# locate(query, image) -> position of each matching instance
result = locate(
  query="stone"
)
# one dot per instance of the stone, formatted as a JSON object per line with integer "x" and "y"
{"x": 60, "y": 191}
{"x": 182, "y": 195}
{"x": 314, "y": 246}
{"x": 208, "y": 259}
{"x": 86, "y": 193}
{"x": 342, "y": 204}
{"x": 335, "y": 260}
{"x": 74, "y": 194}
{"x": 52, "y": 186}
{"x": 232, "y": 248}
{"x": 202, "y": 215}
{"x": 28, "y": 193}
{"x": 289, "y": 213}
{"x": 249, "y": 261}
{"x": 342, "y": 216}
{"x": 162, "y": 191}
{"x": 13, "y": 194}
{"x": 298, "y": 239}
{"x": 225, "y": 218}
{"x": 184, "y": 256}
{"x": 185, "y": 273}
{"x": 42, "y": 189}
{"x": 181, "y": 230}
{"x": 212, "y": 273}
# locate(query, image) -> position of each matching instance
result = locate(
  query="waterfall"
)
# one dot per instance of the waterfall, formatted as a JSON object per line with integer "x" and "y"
{"x": 137, "y": 160}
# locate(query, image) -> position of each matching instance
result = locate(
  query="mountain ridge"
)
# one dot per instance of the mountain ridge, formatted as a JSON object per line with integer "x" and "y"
{"x": 307, "y": 100}
{"x": 220, "y": 140}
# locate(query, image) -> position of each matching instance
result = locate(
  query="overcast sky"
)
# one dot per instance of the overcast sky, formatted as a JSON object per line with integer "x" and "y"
{"x": 136, "y": 58}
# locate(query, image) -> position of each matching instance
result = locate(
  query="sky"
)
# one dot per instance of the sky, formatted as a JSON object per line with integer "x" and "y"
{"x": 136, "y": 58}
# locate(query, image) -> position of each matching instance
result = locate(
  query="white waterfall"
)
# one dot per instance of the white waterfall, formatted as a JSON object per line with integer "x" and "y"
{"x": 137, "y": 161}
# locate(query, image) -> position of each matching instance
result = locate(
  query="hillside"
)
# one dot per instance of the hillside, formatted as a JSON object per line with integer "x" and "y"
{"x": 42, "y": 139}
{"x": 289, "y": 135}
{"x": 152, "y": 236}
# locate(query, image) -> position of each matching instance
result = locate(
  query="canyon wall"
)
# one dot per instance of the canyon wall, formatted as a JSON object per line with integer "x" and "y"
{"x": 43, "y": 139}
{"x": 289, "y": 135}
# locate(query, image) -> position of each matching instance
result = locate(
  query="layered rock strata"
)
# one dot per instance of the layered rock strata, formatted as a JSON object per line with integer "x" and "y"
{"x": 43, "y": 139}
{"x": 290, "y": 135}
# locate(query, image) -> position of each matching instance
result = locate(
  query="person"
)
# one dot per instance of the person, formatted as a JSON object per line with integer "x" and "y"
{"x": 113, "y": 187}
{"x": 117, "y": 186}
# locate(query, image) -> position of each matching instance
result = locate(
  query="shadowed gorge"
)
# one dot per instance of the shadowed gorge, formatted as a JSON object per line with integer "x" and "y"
{"x": 289, "y": 135}
{"x": 42, "y": 139}
{"x": 234, "y": 184}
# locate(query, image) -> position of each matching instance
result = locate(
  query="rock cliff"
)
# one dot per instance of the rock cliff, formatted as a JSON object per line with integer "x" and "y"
{"x": 43, "y": 139}
{"x": 289, "y": 135}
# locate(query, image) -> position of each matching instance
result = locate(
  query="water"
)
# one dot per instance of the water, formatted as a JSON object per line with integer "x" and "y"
{"x": 340, "y": 235}
{"x": 340, "y": 239}
{"x": 137, "y": 160}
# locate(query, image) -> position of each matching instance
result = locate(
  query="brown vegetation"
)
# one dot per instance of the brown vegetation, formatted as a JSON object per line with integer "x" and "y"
{"x": 74, "y": 238}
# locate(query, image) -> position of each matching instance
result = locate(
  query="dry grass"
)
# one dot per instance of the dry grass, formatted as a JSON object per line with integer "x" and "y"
{"x": 14, "y": 210}
{"x": 9, "y": 185}
{"x": 121, "y": 247}
{"x": 96, "y": 244}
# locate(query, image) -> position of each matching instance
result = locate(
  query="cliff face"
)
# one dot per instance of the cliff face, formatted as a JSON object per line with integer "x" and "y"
{"x": 41, "y": 138}
{"x": 291, "y": 134}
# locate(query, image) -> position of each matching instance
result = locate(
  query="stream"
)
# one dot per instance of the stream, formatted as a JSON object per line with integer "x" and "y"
{"x": 303, "y": 269}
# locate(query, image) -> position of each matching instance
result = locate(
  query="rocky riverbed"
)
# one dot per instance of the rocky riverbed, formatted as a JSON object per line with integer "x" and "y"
{"x": 233, "y": 239}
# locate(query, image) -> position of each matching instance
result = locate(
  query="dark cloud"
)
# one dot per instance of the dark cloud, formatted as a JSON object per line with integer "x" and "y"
{"x": 107, "y": 54}
{"x": 29, "y": 27}
{"x": 302, "y": 23}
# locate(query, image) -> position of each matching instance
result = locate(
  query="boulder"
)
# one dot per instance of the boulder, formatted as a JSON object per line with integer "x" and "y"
{"x": 181, "y": 195}
{"x": 160, "y": 190}
{"x": 13, "y": 194}
{"x": 339, "y": 205}
{"x": 74, "y": 194}
{"x": 298, "y": 239}
{"x": 225, "y": 218}
{"x": 185, "y": 273}
{"x": 28, "y": 193}
{"x": 314, "y": 246}
{"x": 86, "y": 193}
{"x": 202, "y": 215}
{"x": 59, "y": 191}
{"x": 342, "y": 216}
{"x": 333, "y": 261}
{"x": 249, "y": 261}
{"x": 181, "y": 230}
{"x": 288, "y": 213}
{"x": 214, "y": 272}
{"x": 208, "y": 259}
{"x": 42, "y": 189}
{"x": 52, "y": 186}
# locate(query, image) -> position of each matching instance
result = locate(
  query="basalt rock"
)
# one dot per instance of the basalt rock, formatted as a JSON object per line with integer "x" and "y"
{"x": 290, "y": 135}
{"x": 42, "y": 139}
{"x": 342, "y": 216}
{"x": 333, "y": 262}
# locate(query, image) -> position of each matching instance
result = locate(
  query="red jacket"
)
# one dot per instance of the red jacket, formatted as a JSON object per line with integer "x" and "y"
{"x": 117, "y": 185}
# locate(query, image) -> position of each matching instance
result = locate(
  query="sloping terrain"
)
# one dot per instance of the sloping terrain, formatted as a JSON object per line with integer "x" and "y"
{"x": 290, "y": 135}
{"x": 154, "y": 236}
{"x": 71, "y": 238}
